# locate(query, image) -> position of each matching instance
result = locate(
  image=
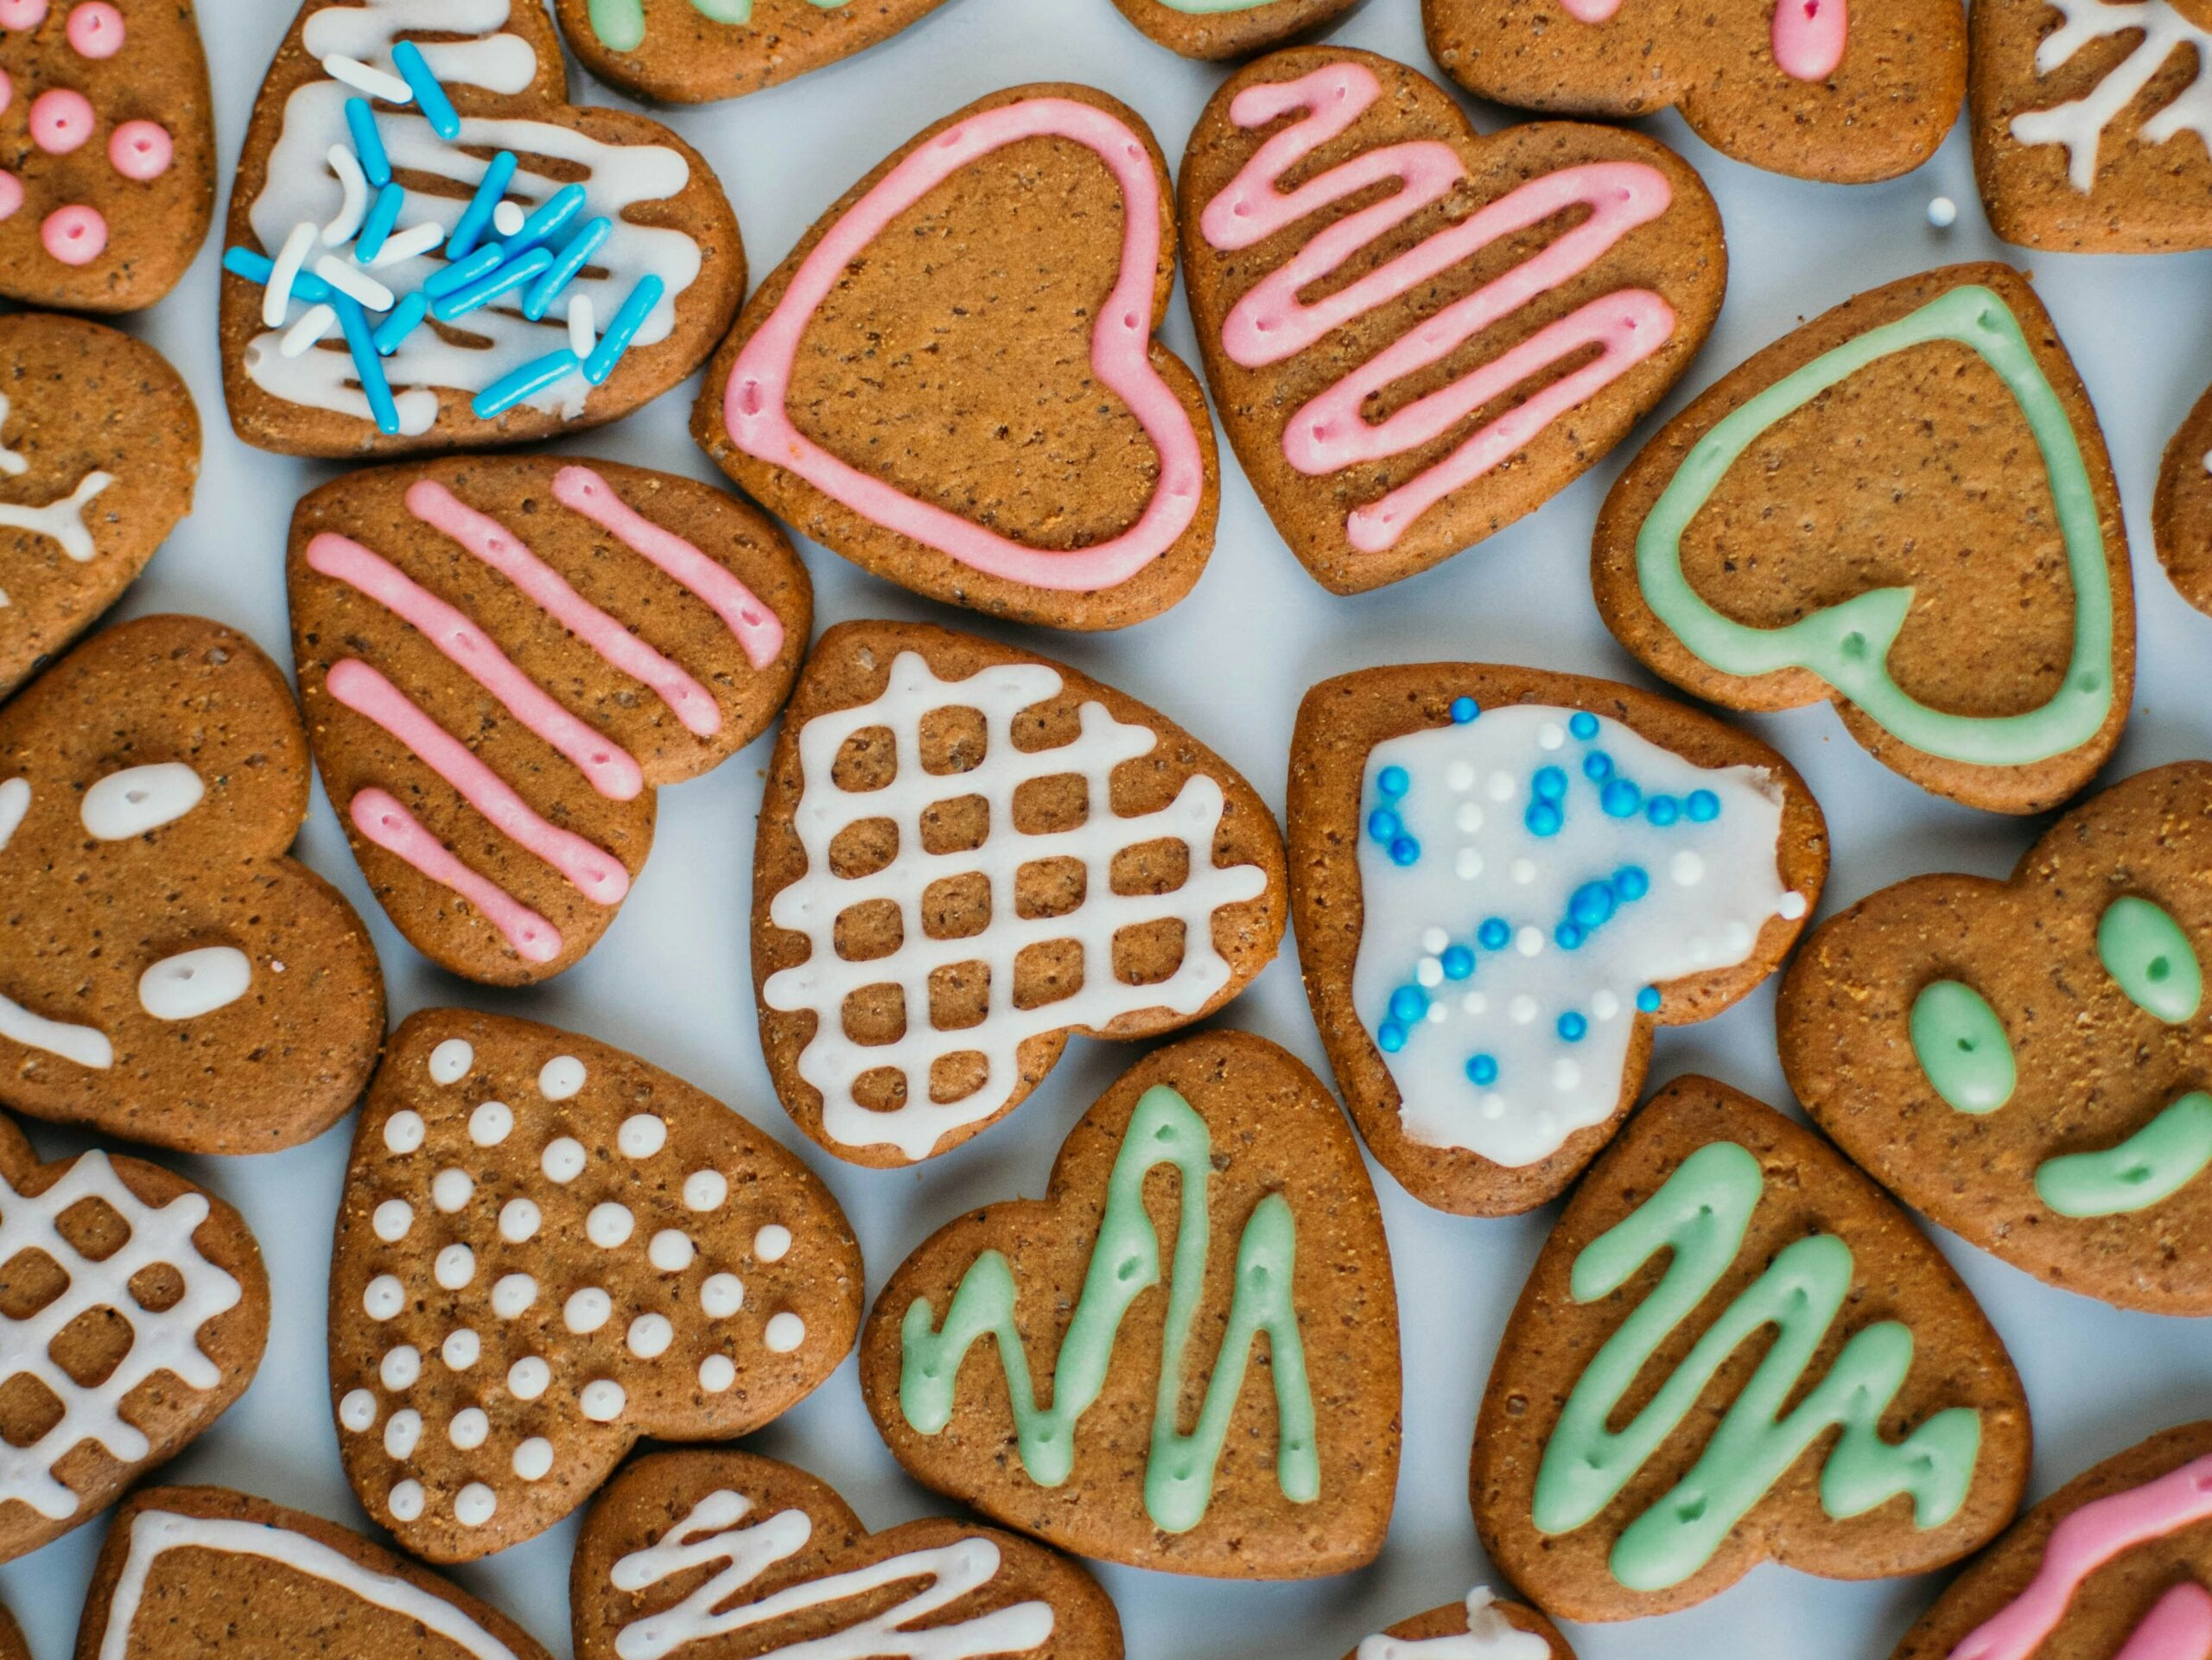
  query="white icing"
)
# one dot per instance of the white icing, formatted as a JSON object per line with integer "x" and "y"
{"x": 406, "y": 1500}
{"x": 512, "y": 1296}
{"x": 772, "y": 1243}
{"x": 705, "y": 1190}
{"x": 454, "y": 1267}
{"x": 559, "y": 1078}
{"x": 602, "y": 1401}
{"x": 403, "y": 1431}
{"x": 403, "y": 1131}
{"x": 529, "y": 1378}
{"x": 1489, "y": 1636}
{"x": 641, "y": 1137}
{"x": 784, "y": 1333}
{"x": 670, "y": 1251}
{"x": 450, "y": 1061}
{"x": 491, "y": 1124}
{"x": 392, "y": 1219}
{"x": 86, "y": 1045}
{"x": 2158, "y": 32}
{"x": 357, "y": 1411}
{"x": 196, "y": 983}
{"x": 831, "y": 1062}
{"x": 63, "y": 520}
{"x": 382, "y": 1297}
{"x": 15, "y": 802}
{"x": 469, "y": 1429}
{"x": 609, "y": 1225}
{"x": 649, "y": 1336}
{"x": 400, "y": 1367}
{"x": 473, "y": 1504}
{"x": 533, "y": 1459}
{"x": 586, "y": 1310}
{"x": 717, "y": 1373}
{"x": 12, "y": 464}
{"x": 721, "y": 1295}
{"x": 563, "y": 1159}
{"x": 139, "y": 799}
{"x": 450, "y": 1189}
{"x": 518, "y": 1220}
{"x": 460, "y": 1350}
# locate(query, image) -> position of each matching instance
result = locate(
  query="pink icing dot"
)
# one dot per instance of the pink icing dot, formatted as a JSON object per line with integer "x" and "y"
{"x": 75, "y": 235}
{"x": 140, "y": 150}
{"x": 60, "y": 120}
{"x": 11, "y": 194}
{"x": 95, "y": 30}
{"x": 21, "y": 14}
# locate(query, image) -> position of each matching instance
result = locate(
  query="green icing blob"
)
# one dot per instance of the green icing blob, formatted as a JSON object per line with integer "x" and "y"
{"x": 2154, "y": 1163}
{"x": 1700, "y": 1215}
{"x": 2145, "y": 950}
{"x": 620, "y": 24}
{"x": 1125, "y": 1262}
{"x": 1961, "y": 1045}
{"x": 1847, "y": 644}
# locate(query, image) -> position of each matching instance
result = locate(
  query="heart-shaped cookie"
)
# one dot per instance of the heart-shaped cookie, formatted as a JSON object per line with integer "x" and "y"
{"x": 503, "y": 659}
{"x": 1291, "y": 1463}
{"x": 429, "y": 247}
{"x": 1904, "y": 508}
{"x": 109, "y": 199}
{"x": 2024, "y": 1060}
{"x": 1502, "y": 881}
{"x": 100, "y": 449}
{"x": 201, "y": 1570}
{"x": 549, "y": 1249}
{"x": 166, "y": 972}
{"x": 1476, "y": 1628}
{"x": 966, "y": 853}
{"x": 133, "y": 1311}
{"x": 2180, "y": 513}
{"x": 695, "y": 51}
{"x": 1378, "y": 421}
{"x": 1228, "y": 28}
{"x": 1905, "y": 1443}
{"x": 952, "y": 381}
{"x": 702, "y": 1555}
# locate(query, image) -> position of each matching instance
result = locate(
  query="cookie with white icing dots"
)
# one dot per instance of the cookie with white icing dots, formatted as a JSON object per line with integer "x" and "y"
{"x": 99, "y": 450}
{"x": 1376, "y": 418}
{"x": 1476, "y": 1628}
{"x": 715, "y": 1556}
{"x": 428, "y": 247}
{"x": 967, "y": 854}
{"x": 549, "y": 1249}
{"x": 133, "y": 1311}
{"x": 166, "y": 973}
{"x": 693, "y": 51}
{"x": 1270, "y": 1326}
{"x": 1503, "y": 882}
{"x": 1717, "y": 1265}
{"x": 205, "y": 1573}
{"x": 503, "y": 659}
{"x": 1903, "y": 508}
{"x": 1228, "y": 28}
{"x": 110, "y": 180}
{"x": 952, "y": 380}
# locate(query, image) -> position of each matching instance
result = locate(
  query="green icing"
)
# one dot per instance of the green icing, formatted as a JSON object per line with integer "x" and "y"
{"x": 1961, "y": 1045}
{"x": 1125, "y": 1262}
{"x": 2145, "y": 950}
{"x": 1700, "y": 1215}
{"x": 620, "y": 24}
{"x": 1847, "y": 644}
{"x": 2154, "y": 1163}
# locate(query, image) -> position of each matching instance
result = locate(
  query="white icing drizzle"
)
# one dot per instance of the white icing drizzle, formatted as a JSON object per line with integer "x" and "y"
{"x": 11, "y": 462}
{"x": 192, "y": 984}
{"x": 1489, "y": 1636}
{"x": 15, "y": 802}
{"x": 137, "y": 799}
{"x": 62, "y": 519}
{"x": 710, "y": 1536}
{"x": 2080, "y": 123}
{"x": 86, "y": 1045}
{"x": 167, "y": 1341}
{"x": 832, "y": 1062}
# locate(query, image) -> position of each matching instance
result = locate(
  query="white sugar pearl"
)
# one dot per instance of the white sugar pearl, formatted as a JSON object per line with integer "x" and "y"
{"x": 561, "y": 1078}
{"x": 705, "y": 1190}
{"x": 784, "y": 1333}
{"x": 406, "y": 1501}
{"x": 563, "y": 1160}
{"x": 1529, "y": 941}
{"x": 518, "y": 1220}
{"x": 401, "y": 1431}
{"x": 455, "y": 1266}
{"x": 1467, "y": 864}
{"x": 450, "y": 1061}
{"x": 1468, "y": 819}
{"x": 392, "y": 1219}
{"x": 1521, "y": 1009}
{"x": 717, "y": 1373}
{"x": 1737, "y": 940}
{"x": 357, "y": 1411}
{"x": 586, "y": 1311}
{"x": 609, "y": 1225}
{"x": 670, "y": 1251}
{"x": 533, "y": 1459}
{"x": 384, "y": 1297}
{"x": 529, "y": 1378}
{"x": 1500, "y": 787}
{"x": 1943, "y": 213}
{"x": 650, "y": 1336}
{"x": 491, "y": 1124}
{"x": 1790, "y": 906}
{"x": 1429, "y": 972}
{"x": 602, "y": 1401}
{"x": 1434, "y": 940}
{"x": 473, "y": 1504}
{"x": 507, "y": 218}
{"x": 469, "y": 1428}
{"x": 460, "y": 1349}
{"x": 641, "y": 1137}
{"x": 512, "y": 1295}
{"x": 1523, "y": 871}
{"x": 1687, "y": 868}
{"x": 1438, "y": 1012}
{"x": 772, "y": 1243}
{"x": 1604, "y": 1005}
{"x": 1551, "y": 735}
{"x": 403, "y": 1131}
{"x": 722, "y": 1296}
{"x": 400, "y": 1367}
{"x": 450, "y": 1189}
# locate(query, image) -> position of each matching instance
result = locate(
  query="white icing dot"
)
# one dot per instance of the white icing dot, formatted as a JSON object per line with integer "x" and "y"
{"x": 717, "y": 1373}
{"x": 400, "y": 1367}
{"x": 1521, "y": 1009}
{"x": 650, "y": 1336}
{"x": 533, "y": 1459}
{"x": 406, "y": 1501}
{"x": 705, "y": 1190}
{"x": 1469, "y": 818}
{"x": 1604, "y": 1005}
{"x": 784, "y": 1333}
{"x": 1530, "y": 940}
{"x": 529, "y": 1378}
{"x": 1551, "y": 735}
{"x": 469, "y": 1428}
{"x": 357, "y": 1411}
{"x": 1467, "y": 864}
{"x": 772, "y": 1243}
{"x": 518, "y": 1220}
{"x": 1460, "y": 776}
{"x": 450, "y": 1061}
{"x": 641, "y": 1137}
{"x": 1943, "y": 213}
{"x": 513, "y": 1294}
{"x": 670, "y": 1251}
{"x": 450, "y": 1189}
{"x": 563, "y": 1160}
{"x": 384, "y": 1297}
{"x": 491, "y": 1124}
{"x": 455, "y": 1266}
{"x": 1565, "y": 1075}
{"x": 561, "y": 1078}
{"x": 586, "y": 1311}
{"x": 1791, "y": 907}
{"x": 1429, "y": 972}
{"x": 1434, "y": 940}
{"x": 403, "y": 1131}
{"x": 1687, "y": 868}
{"x": 722, "y": 1296}
{"x": 401, "y": 1431}
{"x": 392, "y": 1219}
{"x": 460, "y": 1349}
{"x": 609, "y": 1225}
{"x": 1500, "y": 787}
{"x": 602, "y": 1401}
{"x": 473, "y": 1504}
{"x": 1523, "y": 871}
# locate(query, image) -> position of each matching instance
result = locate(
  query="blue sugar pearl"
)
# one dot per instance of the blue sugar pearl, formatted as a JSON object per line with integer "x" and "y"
{"x": 1465, "y": 710}
{"x": 1404, "y": 850}
{"x": 1393, "y": 781}
{"x": 1382, "y": 824}
{"x": 1408, "y": 1003}
{"x": 1648, "y": 1000}
{"x": 1572, "y": 1027}
{"x": 1703, "y": 806}
{"x": 1458, "y": 962}
{"x": 1494, "y": 935}
{"x": 1621, "y": 798}
{"x": 1482, "y": 1069}
{"x": 1631, "y": 882}
{"x": 1583, "y": 724}
{"x": 1568, "y": 936}
{"x": 1550, "y": 784}
{"x": 1392, "y": 1037}
{"x": 1597, "y": 767}
{"x": 1662, "y": 809}
{"x": 1543, "y": 818}
{"x": 1592, "y": 904}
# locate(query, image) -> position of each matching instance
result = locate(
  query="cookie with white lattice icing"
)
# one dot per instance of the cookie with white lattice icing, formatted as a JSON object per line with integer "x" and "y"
{"x": 712, "y": 1556}
{"x": 133, "y": 1311}
{"x": 695, "y": 51}
{"x": 967, "y": 853}
{"x": 549, "y": 1250}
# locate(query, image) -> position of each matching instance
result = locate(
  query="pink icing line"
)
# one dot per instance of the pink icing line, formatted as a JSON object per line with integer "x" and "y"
{"x": 1808, "y": 34}
{"x": 1271, "y": 323}
{"x": 753, "y": 404}
{"x": 593, "y": 873}
{"x": 2178, "y": 1628}
{"x": 380, "y": 818}
{"x": 759, "y": 630}
{"x": 11, "y": 194}
{"x": 2082, "y": 1543}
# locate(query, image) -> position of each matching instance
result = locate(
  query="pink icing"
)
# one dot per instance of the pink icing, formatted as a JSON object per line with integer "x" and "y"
{"x": 7, "y": 92}
{"x": 2083, "y": 1542}
{"x": 380, "y": 818}
{"x": 140, "y": 150}
{"x": 1271, "y": 322}
{"x": 2179, "y": 1627}
{"x": 1809, "y": 36}
{"x": 753, "y": 404}
{"x": 75, "y": 235}
{"x": 593, "y": 873}
{"x": 95, "y": 30}
{"x": 758, "y": 629}
{"x": 11, "y": 194}
{"x": 21, "y": 14}
{"x": 62, "y": 119}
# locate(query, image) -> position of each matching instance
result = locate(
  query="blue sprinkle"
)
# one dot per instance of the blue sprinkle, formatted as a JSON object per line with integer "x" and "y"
{"x": 1494, "y": 935}
{"x": 378, "y": 226}
{"x": 1458, "y": 962}
{"x": 1648, "y": 1000}
{"x": 559, "y": 208}
{"x": 406, "y": 317}
{"x": 1408, "y": 1003}
{"x": 1568, "y": 936}
{"x": 1465, "y": 710}
{"x": 1550, "y": 784}
{"x": 571, "y": 259}
{"x": 368, "y": 143}
{"x": 1543, "y": 818}
{"x": 1391, "y": 1036}
{"x": 1631, "y": 882}
{"x": 1592, "y": 904}
{"x": 462, "y": 272}
{"x": 1704, "y": 806}
{"x": 1572, "y": 1027}
{"x": 429, "y": 97}
{"x": 1382, "y": 824}
{"x": 484, "y": 290}
{"x": 367, "y": 364}
{"x": 1662, "y": 809}
{"x": 1583, "y": 724}
{"x": 1404, "y": 850}
{"x": 259, "y": 267}
{"x": 477, "y": 214}
{"x": 1482, "y": 1071}
{"x": 504, "y": 393}
{"x": 1597, "y": 767}
{"x": 1393, "y": 781}
{"x": 619, "y": 333}
{"x": 1621, "y": 798}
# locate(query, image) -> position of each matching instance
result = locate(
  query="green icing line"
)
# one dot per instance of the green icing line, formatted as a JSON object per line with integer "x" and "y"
{"x": 2145, "y": 950}
{"x": 1847, "y": 645}
{"x": 2154, "y": 1163}
{"x": 1961, "y": 1045}
{"x": 1124, "y": 1263}
{"x": 620, "y": 24}
{"x": 1700, "y": 1214}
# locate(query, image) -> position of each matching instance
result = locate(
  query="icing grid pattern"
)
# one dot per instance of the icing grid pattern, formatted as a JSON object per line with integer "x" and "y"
{"x": 164, "y": 1340}
{"x": 832, "y": 1062}
{"x": 2080, "y": 123}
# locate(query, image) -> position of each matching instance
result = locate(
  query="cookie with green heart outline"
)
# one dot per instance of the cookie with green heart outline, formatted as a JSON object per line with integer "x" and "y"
{"x": 697, "y": 51}
{"x": 1903, "y": 508}
{"x": 1215, "y": 30}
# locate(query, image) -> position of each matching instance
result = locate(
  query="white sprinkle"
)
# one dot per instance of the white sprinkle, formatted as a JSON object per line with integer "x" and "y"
{"x": 1460, "y": 776}
{"x": 534, "y": 1458}
{"x": 403, "y": 1131}
{"x": 641, "y": 1137}
{"x": 561, "y": 1078}
{"x": 410, "y": 244}
{"x": 602, "y": 1401}
{"x": 507, "y": 218}
{"x": 772, "y": 1243}
{"x": 450, "y": 1061}
{"x": 1943, "y": 213}
{"x": 1475, "y": 1003}
{"x": 314, "y": 324}
{"x": 406, "y": 1501}
{"x": 1501, "y": 786}
{"x": 400, "y": 1367}
{"x": 357, "y": 1411}
{"x": 349, "y": 278}
{"x": 1434, "y": 940}
{"x": 1736, "y": 939}
{"x": 473, "y": 1504}
{"x": 717, "y": 1373}
{"x": 705, "y": 1190}
{"x": 1529, "y": 941}
{"x": 345, "y": 223}
{"x": 1469, "y": 818}
{"x": 460, "y": 1349}
{"x": 362, "y": 79}
{"x": 277, "y": 297}
{"x": 392, "y": 1219}
{"x": 469, "y": 1428}
{"x": 650, "y": 1336}
{"x": 784, "y": 1333}
{"x": 1436, "y": 1013}
{"x": 583, "y": 333}
{"x": 1604, "y": 1005}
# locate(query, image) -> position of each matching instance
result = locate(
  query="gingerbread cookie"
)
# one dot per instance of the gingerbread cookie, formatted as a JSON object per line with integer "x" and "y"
{"x": 166, "y": 972}
{"x": 1467, "y": 292}
{"x": 979, "y": 412}
{"x": 695, "y": 51}
{"x": 12, "y": 1647}
{"x": 966, "y": 853}
{"x": 1479, "y": 1628}
{"x": 133, "y": 1311}
{"x": 2180, "y": 513}
{"x": 712, "y": 1556}
{"x": 429, "y": 247}
{"x": 502, "y": 659}
{"x": 100, "y": 449}
{"x": 1291, "y": 1463}
{"x": 548, "y": 1250}
{"x": 1228, "y": 28}
{"x": 2024, "y": 1060}
{"x": 1502, "y": 881}
{"x": 1814, "y": 89}
{"x": 1905, "y": 1443}
{"x": 206, "y": 1573}
{"x": 109, "y": 201}
{"x": 1904, "y": 508}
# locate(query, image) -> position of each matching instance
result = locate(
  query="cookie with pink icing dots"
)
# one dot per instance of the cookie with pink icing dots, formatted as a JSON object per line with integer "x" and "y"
{"x": 549, "y": 1250}
{"x": 107, "y": 151}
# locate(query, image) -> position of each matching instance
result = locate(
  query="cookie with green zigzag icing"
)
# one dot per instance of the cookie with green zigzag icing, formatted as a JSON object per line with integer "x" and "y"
{"x": 697, "y": 51}
{"x": 1720, "y": 1264}
{"x": 1904, "y": 508}
{"x": 1203, "y": 1298}
{"x": 2026, "y": 1060}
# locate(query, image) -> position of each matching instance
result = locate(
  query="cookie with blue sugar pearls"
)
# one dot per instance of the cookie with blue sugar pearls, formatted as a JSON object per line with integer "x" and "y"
{"x": 1503, "y": 882}
{"x": 697, "y": 51}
